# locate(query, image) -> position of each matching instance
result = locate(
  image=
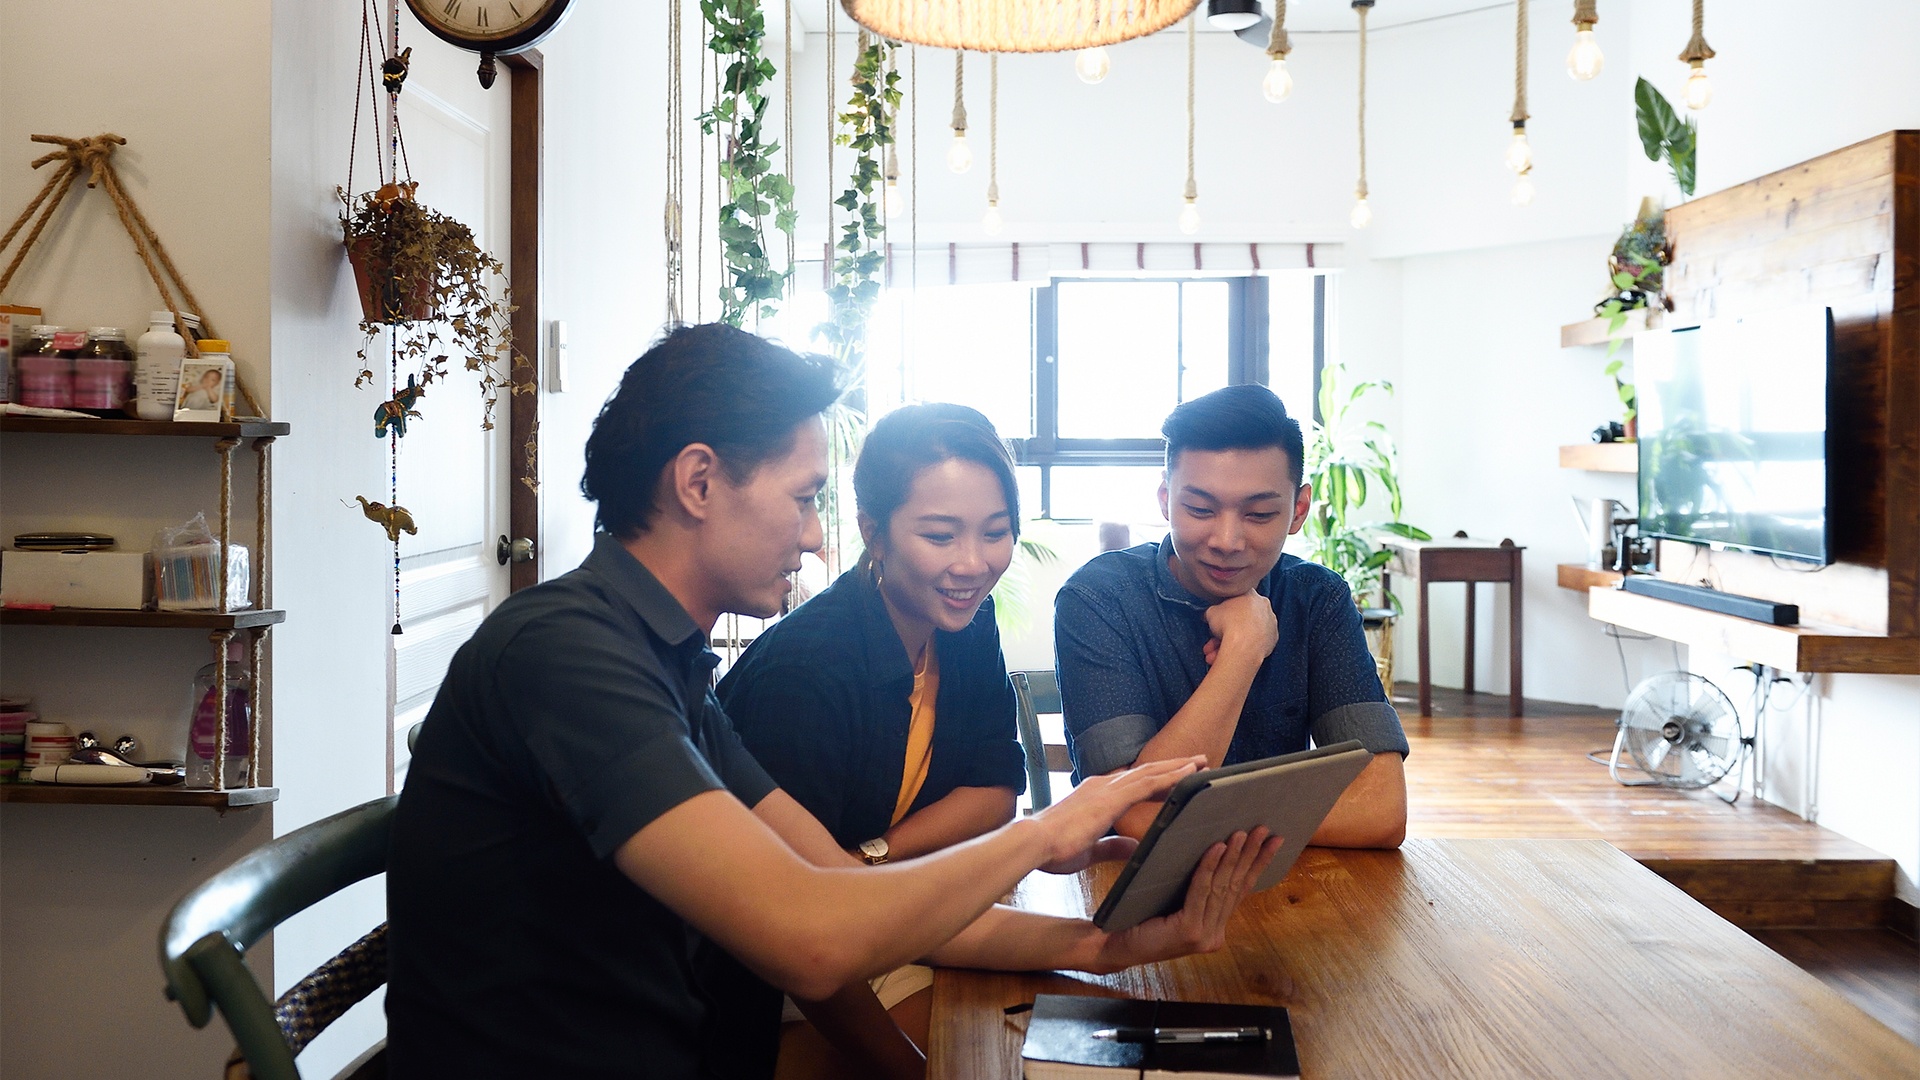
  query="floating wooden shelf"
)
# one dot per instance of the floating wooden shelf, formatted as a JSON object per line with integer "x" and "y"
{"x": 1807, "y": 647}
{"x": 42, "y": 426}
{"x": 1620, "y": 457}
{"x": 1577, "y": 576}
{"x": 136, "y": 795}
{"x": 187, "y": 620}
{"x": 1594, "y": 331}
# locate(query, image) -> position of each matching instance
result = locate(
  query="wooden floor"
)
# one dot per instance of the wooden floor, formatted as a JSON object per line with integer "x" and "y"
{"x": 1808, "y": 893}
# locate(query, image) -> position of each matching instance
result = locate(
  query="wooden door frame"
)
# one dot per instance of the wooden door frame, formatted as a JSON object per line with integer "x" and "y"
{"x": 527, "y": 151}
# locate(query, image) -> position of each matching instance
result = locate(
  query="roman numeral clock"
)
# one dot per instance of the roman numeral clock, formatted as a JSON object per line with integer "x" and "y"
{"x": 490, "y": 27}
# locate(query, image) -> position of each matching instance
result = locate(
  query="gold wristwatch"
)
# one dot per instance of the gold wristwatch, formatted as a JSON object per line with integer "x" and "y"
{"x": 874, "y": 851}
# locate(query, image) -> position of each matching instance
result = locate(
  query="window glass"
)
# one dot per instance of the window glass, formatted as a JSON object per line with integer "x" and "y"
{"x": 1027, "y": 479}
{"x": 968, "y": 344}
{"x": 1203, "y": 338}
{"x": 1125, "y": 493}
{"x": 1118, "y": 346}
{"x": 1290, "y": 341}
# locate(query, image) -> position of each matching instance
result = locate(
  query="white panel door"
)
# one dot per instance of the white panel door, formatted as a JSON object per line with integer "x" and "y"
{"x": 452, "y": 475}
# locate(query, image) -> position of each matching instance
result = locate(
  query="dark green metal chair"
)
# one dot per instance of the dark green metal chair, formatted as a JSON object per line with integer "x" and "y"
{"x": 204, "y": 943}
{"x": 1036, "y": 692}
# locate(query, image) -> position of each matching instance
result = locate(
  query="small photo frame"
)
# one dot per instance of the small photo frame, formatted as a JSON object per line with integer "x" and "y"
{"x": 203, "y": 390}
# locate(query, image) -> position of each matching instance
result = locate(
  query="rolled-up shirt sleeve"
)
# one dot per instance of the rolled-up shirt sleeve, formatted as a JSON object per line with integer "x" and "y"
{"x": 1344, "y": 692}
{"x": 1106, "y": 703}
{"x": 609, "y": 737}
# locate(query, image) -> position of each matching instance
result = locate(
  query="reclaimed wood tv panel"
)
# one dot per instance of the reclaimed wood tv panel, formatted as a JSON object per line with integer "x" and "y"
{"x": 1841, "y": 230}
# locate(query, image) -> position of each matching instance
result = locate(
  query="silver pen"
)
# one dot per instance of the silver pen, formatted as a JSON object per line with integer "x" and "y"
{"x": 1183, "y": 1034}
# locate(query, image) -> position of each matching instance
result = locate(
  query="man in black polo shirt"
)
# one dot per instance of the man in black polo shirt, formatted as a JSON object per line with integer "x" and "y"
{"x": 581, "y": 828}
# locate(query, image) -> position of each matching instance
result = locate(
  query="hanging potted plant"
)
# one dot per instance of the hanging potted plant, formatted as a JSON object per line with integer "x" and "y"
{"x": 421, "y": 274}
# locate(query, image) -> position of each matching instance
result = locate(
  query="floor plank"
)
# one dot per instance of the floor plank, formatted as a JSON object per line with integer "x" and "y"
{"x": 1474, "y": 772}
{"x": 1878, "y": 970}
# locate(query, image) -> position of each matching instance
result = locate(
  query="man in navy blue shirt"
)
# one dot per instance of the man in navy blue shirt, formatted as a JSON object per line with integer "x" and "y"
{"x": 1213, "y": 642}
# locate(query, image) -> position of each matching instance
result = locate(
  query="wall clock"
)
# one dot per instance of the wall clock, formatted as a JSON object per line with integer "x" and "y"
{"x": 490, "y": 27}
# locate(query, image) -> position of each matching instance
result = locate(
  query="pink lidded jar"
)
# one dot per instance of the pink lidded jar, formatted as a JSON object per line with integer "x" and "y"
{"x": 103, "y": 371}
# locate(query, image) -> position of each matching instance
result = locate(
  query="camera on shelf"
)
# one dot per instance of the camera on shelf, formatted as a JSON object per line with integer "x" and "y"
{"x": 1611, "y": 431}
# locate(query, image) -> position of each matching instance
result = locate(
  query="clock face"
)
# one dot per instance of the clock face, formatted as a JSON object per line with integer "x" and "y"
{"x": 489, "y": 25}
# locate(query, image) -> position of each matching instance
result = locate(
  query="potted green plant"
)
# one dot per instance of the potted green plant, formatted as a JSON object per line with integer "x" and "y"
{"x": 422, "y": 276}
{"x": 1346, "y": 460}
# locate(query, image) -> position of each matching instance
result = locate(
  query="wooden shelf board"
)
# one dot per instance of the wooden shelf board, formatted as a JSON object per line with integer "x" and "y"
{"x": 136, "y": 795}
{"x": 43, "y": 426}
{"x": 188, "y": 620}
{"x": 1577, "y": 576}
{"x": 1615, "y": 457}
{"x": 1594, "y": 331}
{"x": 1808, "y": 647}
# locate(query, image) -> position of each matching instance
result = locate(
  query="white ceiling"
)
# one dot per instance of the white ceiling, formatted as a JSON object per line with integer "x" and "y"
{"x": 1303, "y": 16}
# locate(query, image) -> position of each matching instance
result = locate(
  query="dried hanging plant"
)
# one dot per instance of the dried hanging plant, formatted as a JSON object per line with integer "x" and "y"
{"x": 420, "y": 271}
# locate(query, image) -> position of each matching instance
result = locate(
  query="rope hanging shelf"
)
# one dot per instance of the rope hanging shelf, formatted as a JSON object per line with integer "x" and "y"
{"x": 95, "y": 156}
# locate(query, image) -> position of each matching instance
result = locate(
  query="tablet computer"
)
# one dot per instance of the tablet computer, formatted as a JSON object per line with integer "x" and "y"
{"x": 1290, "y": 794}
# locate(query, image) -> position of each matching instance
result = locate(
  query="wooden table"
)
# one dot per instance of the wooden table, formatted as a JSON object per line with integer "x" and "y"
{"x": 1467, "y": 958}
{"x": 1461, "y": 558}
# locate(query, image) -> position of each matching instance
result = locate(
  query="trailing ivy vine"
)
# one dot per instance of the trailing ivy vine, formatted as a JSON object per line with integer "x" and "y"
{"x": 755, "y": 191}
{"x": 866, "y": 127}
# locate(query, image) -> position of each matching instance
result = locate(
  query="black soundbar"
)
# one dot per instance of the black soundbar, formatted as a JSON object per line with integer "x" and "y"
{"x": 1746, "y": 607}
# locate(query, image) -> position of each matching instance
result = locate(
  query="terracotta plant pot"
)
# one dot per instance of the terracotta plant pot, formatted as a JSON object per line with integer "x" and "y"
{"x": 383, "y": 299}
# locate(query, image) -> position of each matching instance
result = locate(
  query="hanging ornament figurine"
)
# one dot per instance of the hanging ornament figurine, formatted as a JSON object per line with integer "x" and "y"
{"x": 393, "y": 413}
{"x": 393, "y": 70}
{"x": 394, "y": 519}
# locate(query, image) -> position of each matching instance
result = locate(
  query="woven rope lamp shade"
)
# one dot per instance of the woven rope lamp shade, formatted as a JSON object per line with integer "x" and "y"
{"x": 1016, "y": 25}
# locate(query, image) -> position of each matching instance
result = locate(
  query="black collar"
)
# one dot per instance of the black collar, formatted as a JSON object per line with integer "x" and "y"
{"x": 643, "y": 592}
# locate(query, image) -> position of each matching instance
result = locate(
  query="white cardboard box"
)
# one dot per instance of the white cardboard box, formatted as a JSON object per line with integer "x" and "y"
{"x": 80, "y": 579}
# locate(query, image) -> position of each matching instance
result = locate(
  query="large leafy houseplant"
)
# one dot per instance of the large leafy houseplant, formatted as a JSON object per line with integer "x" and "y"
{"x": 422, "y": 275}
{"x": 1664, "y": 134}
{"x": 1346, "y": 461}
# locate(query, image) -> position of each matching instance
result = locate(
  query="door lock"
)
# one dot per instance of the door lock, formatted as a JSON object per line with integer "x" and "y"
{"x": 518, "y": 551}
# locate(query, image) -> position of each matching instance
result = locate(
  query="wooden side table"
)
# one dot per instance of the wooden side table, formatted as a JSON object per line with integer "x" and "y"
{"x": 1463, "y": 559}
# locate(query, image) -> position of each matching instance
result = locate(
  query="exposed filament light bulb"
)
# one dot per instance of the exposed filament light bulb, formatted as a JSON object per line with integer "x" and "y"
{"x": 990, "y": 221}
{"x": 1092, "y": 64}
{"x": 1361, "y": 214}
{"x": 1699, "y": 90}
{"x": 1519, "y": 154}
{"x": 892, "y": 198}
{"x": 959, "y": 155}
{"x": 1523, "y": 188}
{"x": 1189, "y": 218}
{"x": 1584, "y": 61}
{"x": 1278, "y": 84}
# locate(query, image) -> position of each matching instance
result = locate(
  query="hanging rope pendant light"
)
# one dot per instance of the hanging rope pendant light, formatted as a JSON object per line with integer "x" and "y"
{"x": 1584, "y": 61}
{"x": 1519, "y": 154}
{"x": 1016, "y": 25}
{"x": 1279, "y": 82}
{"x": 1697, "y": 53}
{"x": 1361, "y": 213}
{"x": 1190, "y": 214}
{"x": 959, "y": 156}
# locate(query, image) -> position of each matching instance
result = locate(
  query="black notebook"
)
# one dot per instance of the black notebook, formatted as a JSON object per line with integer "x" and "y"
{"x": 1060, "y": 1043}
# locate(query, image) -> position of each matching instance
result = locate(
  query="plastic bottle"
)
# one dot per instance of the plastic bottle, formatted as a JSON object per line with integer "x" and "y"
{"x": 203, "y": 732}
{"x": 156, "y": 368}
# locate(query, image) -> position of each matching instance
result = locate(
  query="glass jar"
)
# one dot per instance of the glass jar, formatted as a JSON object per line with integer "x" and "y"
{"x": 204, "y": 729}
{"x": 103, "y": 372}
{"x": 46, "y": 372}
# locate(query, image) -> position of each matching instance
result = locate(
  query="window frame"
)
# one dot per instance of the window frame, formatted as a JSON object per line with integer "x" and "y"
{"x": 1247, "y": 362}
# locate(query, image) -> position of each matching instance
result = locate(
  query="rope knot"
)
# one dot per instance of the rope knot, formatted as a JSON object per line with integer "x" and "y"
{"x": 93, "y": 153}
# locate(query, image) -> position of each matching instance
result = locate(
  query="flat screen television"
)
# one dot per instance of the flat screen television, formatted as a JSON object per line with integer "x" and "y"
{"x": 1733, "y": 432}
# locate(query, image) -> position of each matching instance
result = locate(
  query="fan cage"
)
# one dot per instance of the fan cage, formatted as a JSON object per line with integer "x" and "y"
{"x": 1681, "y": 730}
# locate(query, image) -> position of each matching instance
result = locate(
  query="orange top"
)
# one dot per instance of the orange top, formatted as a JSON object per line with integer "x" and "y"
{"x": 926, "y": 691}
